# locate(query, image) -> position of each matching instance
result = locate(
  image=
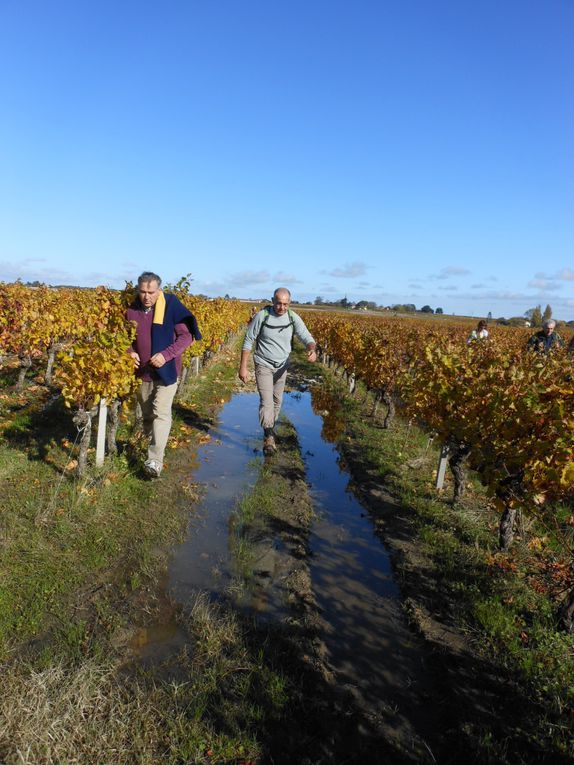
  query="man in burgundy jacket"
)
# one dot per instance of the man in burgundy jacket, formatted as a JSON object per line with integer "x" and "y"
{"x": 164, "y": 329}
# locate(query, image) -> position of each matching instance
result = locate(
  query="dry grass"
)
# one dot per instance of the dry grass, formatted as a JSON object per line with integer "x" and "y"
{"x": 95, "y": 713}
{"x": 59, "y": 715}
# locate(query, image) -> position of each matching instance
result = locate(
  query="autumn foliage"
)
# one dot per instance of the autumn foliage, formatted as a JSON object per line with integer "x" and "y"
{"x": 87, "y": 331}
{"x": 511, "y": 408}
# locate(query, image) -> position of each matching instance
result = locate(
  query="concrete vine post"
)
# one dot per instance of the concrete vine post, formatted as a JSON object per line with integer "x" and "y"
{"x": 101, "y": 438}
{"x": 352, "y": 382}
{"x": 441, "y": 469}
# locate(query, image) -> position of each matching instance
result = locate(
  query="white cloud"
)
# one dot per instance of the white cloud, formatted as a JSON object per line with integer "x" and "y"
{"x": 551, "y": 281}
{"x": 242, "y": 278}
{"x": 28, "y": 271}
{"x": 545, "y": 285}
{"x": 349, "y": 270}
{"x": 284, "y": 278}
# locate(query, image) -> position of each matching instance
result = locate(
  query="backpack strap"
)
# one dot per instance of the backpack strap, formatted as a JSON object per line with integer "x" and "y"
{"x": 280, "y": 327}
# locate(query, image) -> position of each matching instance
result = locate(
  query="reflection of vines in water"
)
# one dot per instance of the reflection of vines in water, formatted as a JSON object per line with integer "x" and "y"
{"x": 326, "y": 404}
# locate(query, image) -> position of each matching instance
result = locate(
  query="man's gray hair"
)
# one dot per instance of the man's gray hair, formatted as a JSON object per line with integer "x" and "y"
{"x": 281, "y": 289}
{"x": 149, "y": 276}
{"x": 548, "y": 323}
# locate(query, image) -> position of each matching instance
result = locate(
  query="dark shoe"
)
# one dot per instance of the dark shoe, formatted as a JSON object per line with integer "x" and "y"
{"x": 269, "y": 446}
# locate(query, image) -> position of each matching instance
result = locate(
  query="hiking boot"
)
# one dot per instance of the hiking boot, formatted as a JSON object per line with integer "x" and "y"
{"x": 152, "y": 468}
{"x": 269, "y": 446}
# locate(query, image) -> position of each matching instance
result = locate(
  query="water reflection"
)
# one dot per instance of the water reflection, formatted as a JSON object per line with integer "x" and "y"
{"x": 328, "y": 407}
{"x": 369, "y": 644}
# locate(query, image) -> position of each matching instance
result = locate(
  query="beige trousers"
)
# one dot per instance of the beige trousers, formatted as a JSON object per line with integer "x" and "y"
{"x": 270, "y": 384}
{"x": 156, "y": 399}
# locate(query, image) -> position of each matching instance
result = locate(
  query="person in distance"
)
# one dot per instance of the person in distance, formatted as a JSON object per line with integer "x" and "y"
{"x": 480, "y": 333}
{"x": 546, "y": 339}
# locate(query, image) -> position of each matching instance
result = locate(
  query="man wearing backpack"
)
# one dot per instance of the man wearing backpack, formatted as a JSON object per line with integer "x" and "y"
{"x": 271, "y": 334}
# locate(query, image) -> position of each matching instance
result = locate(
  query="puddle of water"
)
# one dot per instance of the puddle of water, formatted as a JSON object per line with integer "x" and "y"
{"x": 369, "y": 645}
{"x": 226, "y": 467}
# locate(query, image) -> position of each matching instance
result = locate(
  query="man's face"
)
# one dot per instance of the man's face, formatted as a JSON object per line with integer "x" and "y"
{"x": 148, "y": 293}
{"x": 281, "y": 303}
{"x": 548, "y": 330}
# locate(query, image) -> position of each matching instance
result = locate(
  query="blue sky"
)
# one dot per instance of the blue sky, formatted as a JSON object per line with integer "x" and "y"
{"x": 407, "y": 151}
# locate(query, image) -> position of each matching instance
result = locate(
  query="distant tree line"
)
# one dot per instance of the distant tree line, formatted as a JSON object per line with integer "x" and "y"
{"x": 533, "y": 317}
{"x": 369, "y": 305}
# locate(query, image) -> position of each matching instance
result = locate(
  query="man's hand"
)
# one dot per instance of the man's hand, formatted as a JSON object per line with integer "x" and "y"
{"x": 243, "y": 374}
{"x": 136, "y": 357}
{"x": 311, "y": 354}
{"x": 157, "y": 360}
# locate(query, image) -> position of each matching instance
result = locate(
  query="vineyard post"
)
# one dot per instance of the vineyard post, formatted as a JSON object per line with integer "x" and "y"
{"x": 441, "y": 469}
{"x": 182, "y": 381}
{"x": 352, "y": 382}
{"x": 101, "y": 440}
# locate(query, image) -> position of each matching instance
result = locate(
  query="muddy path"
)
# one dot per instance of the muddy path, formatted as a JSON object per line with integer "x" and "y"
{"x": 315, "y": 578}
{"x": 306, "y": 547}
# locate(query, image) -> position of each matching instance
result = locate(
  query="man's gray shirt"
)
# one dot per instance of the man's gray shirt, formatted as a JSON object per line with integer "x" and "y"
{"x": 274, "y": 341}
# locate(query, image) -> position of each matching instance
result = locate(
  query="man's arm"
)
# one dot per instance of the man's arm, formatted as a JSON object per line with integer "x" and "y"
{"x": 243, "y": 373}
{"x": 183, "y": 339}
{"x": 305, "y": 336}
{"x": 248, "y": 342}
